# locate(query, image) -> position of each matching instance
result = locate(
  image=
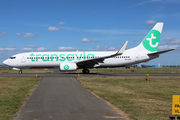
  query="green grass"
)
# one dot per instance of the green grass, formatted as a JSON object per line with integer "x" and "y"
{"x": 123, "y": 70}
{"x": 139, "y": 99}
{"x": 13, "y": 92}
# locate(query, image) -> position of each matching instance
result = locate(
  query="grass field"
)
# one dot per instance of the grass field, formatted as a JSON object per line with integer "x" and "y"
{"x": 13, "y": 92}
{"x": 140, "y": 99}
{"x": 123, "y": 70}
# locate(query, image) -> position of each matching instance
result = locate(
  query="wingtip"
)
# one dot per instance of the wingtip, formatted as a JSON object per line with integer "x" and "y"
{"x": 121, "y": 50}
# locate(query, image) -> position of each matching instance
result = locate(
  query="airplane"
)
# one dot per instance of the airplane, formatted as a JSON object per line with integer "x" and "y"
{"x": 157, "y": 66}
{"x": 71, "y": 61}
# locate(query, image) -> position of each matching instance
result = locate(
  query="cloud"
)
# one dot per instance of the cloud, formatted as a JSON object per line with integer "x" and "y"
{"x": 61, "y": 23}
{"x": 2, "y": 53}
{"x": 144, "y": 2}
{"x": 85, "y": 40}
{"x": 27, "y": 49}
{"x": 152, "y": 22}
{"x": 18, "y": 34}
{"x": 67, "y": 49}
{"x": 53, "y": 29}
{"x": 42, "y": 49}
{"x": 3, "y": 34}
{"x": 153, "y": 1}
{"x": 104, "y": 48}
{"x": 27, "y": 35}
{"x": 171, "y": 40}
{"x": 32, "y": 46}
{"x": 166, "y": 47}
{"x": 8, "y": 48}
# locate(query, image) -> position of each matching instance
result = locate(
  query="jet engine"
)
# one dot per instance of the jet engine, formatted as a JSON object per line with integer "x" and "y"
{"x": 67, "y": 66}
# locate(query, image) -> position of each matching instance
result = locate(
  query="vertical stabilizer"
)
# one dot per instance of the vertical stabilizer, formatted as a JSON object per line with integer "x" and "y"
{"x": 151, "y": 41}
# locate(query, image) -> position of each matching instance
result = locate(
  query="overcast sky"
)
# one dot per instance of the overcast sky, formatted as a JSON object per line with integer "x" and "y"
{"x": 69, "y": 25}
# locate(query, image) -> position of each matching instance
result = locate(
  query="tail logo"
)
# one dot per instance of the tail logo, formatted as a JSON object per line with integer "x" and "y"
{"x": 151, "y": 41}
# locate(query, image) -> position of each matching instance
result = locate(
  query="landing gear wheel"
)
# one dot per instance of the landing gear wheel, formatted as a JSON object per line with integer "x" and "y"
{"x": 85, "y": 71}
{"x": 20, "y": 72}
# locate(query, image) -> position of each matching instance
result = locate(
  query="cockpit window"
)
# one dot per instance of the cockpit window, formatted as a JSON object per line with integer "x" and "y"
{"x": 12, "y": 57}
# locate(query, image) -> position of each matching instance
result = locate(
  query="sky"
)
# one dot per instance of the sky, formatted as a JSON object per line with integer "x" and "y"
{"x": 87, "y": 25}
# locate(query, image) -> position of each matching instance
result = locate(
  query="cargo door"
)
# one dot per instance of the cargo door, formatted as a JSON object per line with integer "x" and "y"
{"x": 23, "y": 58}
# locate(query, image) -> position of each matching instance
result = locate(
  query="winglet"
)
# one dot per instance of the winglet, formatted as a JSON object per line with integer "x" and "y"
{"x": 121, "y": 50}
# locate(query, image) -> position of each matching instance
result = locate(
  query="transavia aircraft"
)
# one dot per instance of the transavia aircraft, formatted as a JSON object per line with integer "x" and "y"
{"x": 71, "y": 61}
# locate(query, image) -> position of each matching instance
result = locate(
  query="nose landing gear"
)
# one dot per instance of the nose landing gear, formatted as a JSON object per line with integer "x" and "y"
{"x": 20, "y": 71}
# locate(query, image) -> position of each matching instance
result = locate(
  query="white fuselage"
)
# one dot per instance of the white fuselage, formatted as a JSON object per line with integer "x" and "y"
{"x": 33, "y": 60}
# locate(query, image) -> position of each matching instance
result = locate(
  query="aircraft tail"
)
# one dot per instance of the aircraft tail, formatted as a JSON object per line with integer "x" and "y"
{"x": 151, "y": 42}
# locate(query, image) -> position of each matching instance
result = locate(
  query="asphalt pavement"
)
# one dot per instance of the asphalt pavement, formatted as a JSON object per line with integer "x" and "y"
{"x": 57, "y": 73}
{"x": 64, "y": 98}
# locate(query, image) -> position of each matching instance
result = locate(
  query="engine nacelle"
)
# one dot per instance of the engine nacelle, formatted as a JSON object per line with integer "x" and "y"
{"x": 16, "y": 69}
{"x": 67, "y": 66}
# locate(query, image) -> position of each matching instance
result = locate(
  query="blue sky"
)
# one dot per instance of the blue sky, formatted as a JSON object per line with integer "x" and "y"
{"x": 44, "y": 25}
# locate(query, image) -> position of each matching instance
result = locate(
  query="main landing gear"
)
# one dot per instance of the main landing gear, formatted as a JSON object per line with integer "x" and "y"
{"x": 85, "y": 71}
{"x": 20, "y": 71}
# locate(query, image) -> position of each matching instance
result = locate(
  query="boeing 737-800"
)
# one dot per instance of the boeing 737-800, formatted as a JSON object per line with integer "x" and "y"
{"x": 71, "y": 61}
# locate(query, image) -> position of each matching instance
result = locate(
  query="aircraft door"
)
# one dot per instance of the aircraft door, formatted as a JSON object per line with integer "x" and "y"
{"x": 137, "y": 57}
{"x": 23, "y": 58}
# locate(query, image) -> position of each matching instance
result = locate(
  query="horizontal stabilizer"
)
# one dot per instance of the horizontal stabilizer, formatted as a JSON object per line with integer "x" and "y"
{"x": 160, "y": 52}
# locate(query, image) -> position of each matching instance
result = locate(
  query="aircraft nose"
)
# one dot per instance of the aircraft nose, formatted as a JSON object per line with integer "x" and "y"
{"x": 5, "y": 62}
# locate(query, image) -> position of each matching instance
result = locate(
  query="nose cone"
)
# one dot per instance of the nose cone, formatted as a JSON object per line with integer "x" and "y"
{"x": 5, "y": 62}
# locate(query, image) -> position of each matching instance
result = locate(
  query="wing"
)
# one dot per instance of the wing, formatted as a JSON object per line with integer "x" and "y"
{"x": 92, "y": 62}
